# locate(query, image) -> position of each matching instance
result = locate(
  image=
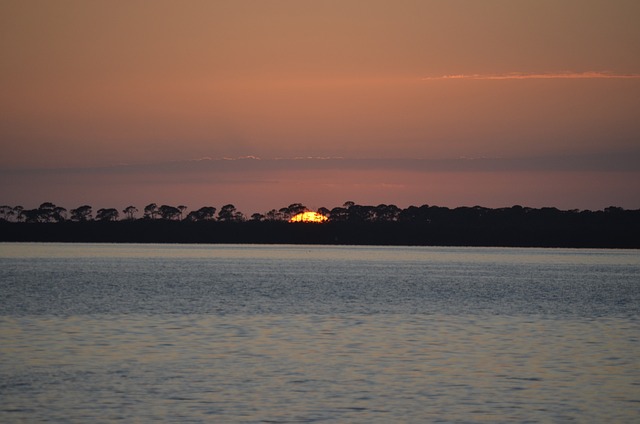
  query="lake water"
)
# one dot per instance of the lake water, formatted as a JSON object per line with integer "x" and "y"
{"x": 280, "y": 334}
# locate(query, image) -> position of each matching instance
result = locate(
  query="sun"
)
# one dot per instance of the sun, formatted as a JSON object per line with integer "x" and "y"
{"x": 309, "y": 216}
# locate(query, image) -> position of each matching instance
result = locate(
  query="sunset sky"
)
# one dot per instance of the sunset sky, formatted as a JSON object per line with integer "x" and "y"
{"x": 266, "y": 103}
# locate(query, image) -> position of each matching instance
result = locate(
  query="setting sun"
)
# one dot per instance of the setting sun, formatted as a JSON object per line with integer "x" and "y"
{"x": 308, "y": 216}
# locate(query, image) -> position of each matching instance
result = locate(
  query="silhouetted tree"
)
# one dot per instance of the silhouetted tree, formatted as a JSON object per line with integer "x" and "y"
{"x": 169, "y": 212}
{"x": 151, "y": 211}
{"x": 59, "y": 214}
{"x": 273, "y": 215}
{"x": 284, "y": 214}
{"x": 289, "y": 211}
{"x": 384, "y": 213}
{"x": 6, "y": 212}
{"x": 613, "y": 210}
{"x": 409, "y": 214}
{"x": 338, "y": 214}
{"x": 32, "y": 215}
{"x": 360, "y": 213}
{"x": 205, "y": 213}
{"x": 82, "y": 213}
{"x": 182, "y": 208}
{"x": 324, "y": 211}
{"x": 130, "y": 211}
{"x": 229, "y": 213}
{"x": 415, "y": 214}
{"x": 17, "y": 213}
{"x": 296, "y": 208}
{"x": 47, "y": 212}
{"x": 257, "y": 217}
{"x": 109, "y": 214}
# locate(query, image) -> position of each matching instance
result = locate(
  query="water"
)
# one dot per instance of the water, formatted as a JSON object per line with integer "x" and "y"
{"x": 210, "y": 333}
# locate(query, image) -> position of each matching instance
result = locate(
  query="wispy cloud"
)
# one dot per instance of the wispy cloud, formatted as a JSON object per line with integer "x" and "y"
{"x": 247, "y": 167}
{"x": 250, "y": 157}
{"x": 537, "y": 76}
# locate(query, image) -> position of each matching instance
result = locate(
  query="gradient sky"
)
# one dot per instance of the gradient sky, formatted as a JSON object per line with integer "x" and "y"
{"x": 266, "y": 103}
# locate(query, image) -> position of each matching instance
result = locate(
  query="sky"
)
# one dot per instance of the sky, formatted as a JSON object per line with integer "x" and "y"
{"x": 266, "y": 103}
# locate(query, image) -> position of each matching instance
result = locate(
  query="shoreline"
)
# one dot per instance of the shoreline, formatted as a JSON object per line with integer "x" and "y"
{"x": 613, "y": 234}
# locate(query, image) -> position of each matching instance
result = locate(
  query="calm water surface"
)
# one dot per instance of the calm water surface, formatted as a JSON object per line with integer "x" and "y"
{"x": 211, "y": 333}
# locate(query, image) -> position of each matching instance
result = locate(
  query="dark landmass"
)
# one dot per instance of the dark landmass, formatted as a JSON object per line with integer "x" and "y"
{"x": 427, "y": 226}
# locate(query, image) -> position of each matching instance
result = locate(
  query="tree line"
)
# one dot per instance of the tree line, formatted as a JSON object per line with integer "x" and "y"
{"x": 349, "y": 223}
{"x": 50, "y": 213}
{"x": 348, "y": 212}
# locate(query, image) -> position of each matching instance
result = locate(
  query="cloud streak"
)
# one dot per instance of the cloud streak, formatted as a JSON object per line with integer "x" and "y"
{"x": 628, "y": 160}
{"x": 534, "y": 76}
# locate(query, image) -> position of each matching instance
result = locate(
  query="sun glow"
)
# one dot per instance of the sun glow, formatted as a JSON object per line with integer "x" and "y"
{"x": 308, "y": 216}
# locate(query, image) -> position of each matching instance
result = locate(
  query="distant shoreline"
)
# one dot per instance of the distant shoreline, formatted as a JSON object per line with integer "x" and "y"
{"x": 600, "y": 233}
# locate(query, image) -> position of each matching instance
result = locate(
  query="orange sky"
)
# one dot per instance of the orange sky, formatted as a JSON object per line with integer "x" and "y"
{"x": 90, "y": 85}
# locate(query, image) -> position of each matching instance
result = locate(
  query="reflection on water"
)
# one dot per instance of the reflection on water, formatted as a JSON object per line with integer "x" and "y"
{"x": 320, "y": 253}
{"x": 359, "y": 368}
{"x": 303, "y": 334}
